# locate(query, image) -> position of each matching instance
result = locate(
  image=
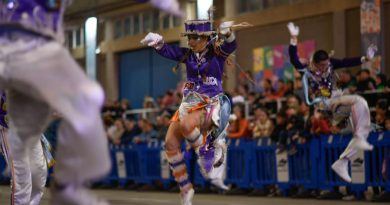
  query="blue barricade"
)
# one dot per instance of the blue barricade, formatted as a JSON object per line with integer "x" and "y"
{"x": 239, "y": 158}
{"x": 331, "y": 148}
{"x": 377, "y": 160}
{"x": 264, "y": 164}
{"x": 255, "y": 164}
{"x": 303, "y": 165}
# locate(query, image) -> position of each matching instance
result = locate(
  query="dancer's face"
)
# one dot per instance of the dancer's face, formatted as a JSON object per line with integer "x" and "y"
{"x": 322, "y": 66}
{"x": 197, "y": 43}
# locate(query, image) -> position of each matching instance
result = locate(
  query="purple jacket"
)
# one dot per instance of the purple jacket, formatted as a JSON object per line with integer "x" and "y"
{"x": 204, "y": 74}
{"x": 40, "y": 16}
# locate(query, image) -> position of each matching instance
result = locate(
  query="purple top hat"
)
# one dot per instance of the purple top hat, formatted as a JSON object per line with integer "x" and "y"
{"x": 198, "y": 27}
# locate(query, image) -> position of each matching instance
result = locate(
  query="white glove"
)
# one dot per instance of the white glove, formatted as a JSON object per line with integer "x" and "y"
{"x": 294, "y": 30}
{"x": 153, "y": 40}
{"x": 169, "y": 6}
{"x": 371, "y": 50}
{"x": 225, "y": 27}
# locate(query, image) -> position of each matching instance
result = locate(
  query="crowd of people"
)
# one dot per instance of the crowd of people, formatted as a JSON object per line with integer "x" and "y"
{"x": 255, "y": 114}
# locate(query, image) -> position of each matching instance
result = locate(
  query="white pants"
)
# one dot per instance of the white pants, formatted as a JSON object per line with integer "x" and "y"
{"x": 360, "y": 118}
{"x": 43, "y": 77}
{"x": 28, "y": 170}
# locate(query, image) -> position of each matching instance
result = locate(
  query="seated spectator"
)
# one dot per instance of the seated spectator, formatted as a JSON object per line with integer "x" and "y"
{"x": 131, "y": 130}
{"x": 380, "y": 114}
{"x": 149, "y": 104}
{"x": 268, "y": 90}
{"x": 380, "y": 81}
{"x": 262, "y": 126}
{"x": 124, "y": 107}
{"x": 279, "y": 132}
{"x": 116, "y": 131}
{"x": 241, "y": 125}
{"x": 280, "y": 90}
{"x": 163, "y": 122}
{"x": 148, "y": 133}
{"x": 319, "y": 124}
{"x": 387, "y": 122}
{"x": 289, "y": 88}
{"x": 347, "y": 81}
{"x": 168, "y": 100}
{"x": 295, "y": 124}
{"x": 364, "y": 81}
{"x": 237, "y": 97}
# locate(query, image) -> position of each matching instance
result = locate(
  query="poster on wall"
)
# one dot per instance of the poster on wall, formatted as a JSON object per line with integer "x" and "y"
{"x": 372, "y": 33}
{"x": 273, "y": 62}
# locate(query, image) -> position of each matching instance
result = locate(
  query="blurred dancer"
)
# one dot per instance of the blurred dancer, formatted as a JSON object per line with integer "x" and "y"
{"x": 169, "y": 6}
{"x": 40, "y": 76}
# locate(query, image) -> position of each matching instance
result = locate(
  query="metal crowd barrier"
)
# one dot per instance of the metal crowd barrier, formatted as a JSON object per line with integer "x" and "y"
{"x": 257, "y": 164}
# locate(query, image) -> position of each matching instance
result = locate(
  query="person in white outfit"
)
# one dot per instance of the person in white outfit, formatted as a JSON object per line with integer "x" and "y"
{"x": 26, "y": 163}
{"x": 319, "y": 84}
{"x": 40, "y": 76}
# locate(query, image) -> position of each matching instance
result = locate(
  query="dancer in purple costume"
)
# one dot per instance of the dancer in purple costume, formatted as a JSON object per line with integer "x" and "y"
{"x": 319, "y": 82}
{"x": 203, "y": 115}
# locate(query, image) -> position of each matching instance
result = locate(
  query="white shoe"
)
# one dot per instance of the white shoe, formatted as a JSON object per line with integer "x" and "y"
{"x": 74, "y": 195}
{"x": 186, "y": 197}
{"x": 362, "y": 144}
{"x": 219, "y": 183}
{"x": 341, "y": 169}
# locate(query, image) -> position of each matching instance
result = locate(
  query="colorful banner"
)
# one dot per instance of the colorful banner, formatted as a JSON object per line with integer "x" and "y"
{"x": 371, "y": 20}
{"x": 273, "y": 62}
{"x": 258, "y": 59}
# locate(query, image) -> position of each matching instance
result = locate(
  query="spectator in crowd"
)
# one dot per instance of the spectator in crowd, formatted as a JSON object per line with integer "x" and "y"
{"x": 268, "y": 90}
{"x": 111, "y": 109}
{"x": 320, "y": 124}
{"x": 107, "y": 122}
{"x": 237, "y": 97}
{"x": 168, "y": 100}
{"x": 280, "y": 90}
{"x": 241, "y": 129}
{"x": 262, "y": 126}
{"x": 131, "y": 130}
{"x": 387, "y": 122}
{"x": 306, "y": 112}
{"x": 298, "y": 87}
{"x": 252, "y": 102}
{"x": 279, "y": 132}
{"x": 148, "y": 133}
{"x": 365, "y": 82}
{"x": 380, "y": 81}
{"x": 149, "y": 103}
{"x": 124, "y": 107}
{"x": 163, "y": 121}
{"x": 289, "y": 87}
{"x": 293, "y": 101}
{"x": 347, "y": 82}
{"x": 381, "y": 108}
{"x": 295, "y": 124}
{"x": 116, "y": 131}
{"x": 244, "y": 78}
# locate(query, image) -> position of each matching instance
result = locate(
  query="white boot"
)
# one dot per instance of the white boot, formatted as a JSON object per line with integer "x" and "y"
{"x": 219, "y": 183}
{"x": 362, "y": 144}
{"x": 341, "y": 169}
{"x": 74, "y": 195}
{"x": 186, "y": 197}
